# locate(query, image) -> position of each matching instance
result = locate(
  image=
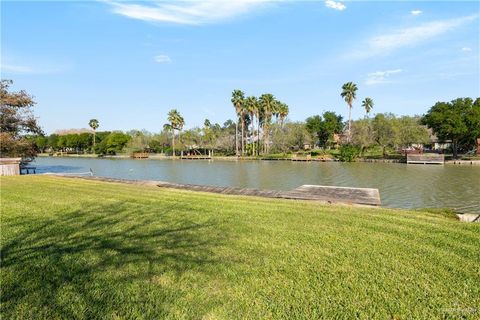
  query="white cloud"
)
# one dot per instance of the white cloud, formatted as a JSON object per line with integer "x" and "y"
{"x": 380, "y": 76}
{"x": 466, "y": 49}
{"x": 16, "y": 69}
{"x": 409, "y": 36}
{"x": 335, "y": 5}
{"x": 416, "y": 12}
{"x": 37, "y": 68}
{"x": 162, "y": 58}
{"x": 185, "y": 12}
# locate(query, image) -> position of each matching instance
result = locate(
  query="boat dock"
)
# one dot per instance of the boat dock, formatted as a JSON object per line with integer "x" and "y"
{"x": 426, "y": 158}
{"x": 326, "y": 194}
{"x": 196, "y": 157}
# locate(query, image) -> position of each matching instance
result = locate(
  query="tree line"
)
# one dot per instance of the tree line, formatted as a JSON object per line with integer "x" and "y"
{"x": 260, "y": 127}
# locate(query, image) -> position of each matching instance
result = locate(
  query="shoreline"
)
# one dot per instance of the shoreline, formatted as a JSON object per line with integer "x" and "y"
{"x": 234, "y": 158}
{"x": 373, "y": 201}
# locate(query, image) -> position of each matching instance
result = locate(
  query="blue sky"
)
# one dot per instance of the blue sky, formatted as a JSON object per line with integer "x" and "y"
{"x": 128, "y": 63}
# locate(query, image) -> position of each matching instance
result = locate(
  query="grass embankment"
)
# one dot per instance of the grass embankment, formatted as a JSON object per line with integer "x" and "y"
{"x": 84, "y": 249}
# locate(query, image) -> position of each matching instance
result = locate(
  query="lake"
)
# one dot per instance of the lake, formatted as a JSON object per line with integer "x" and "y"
{"x": 400, "y": 185}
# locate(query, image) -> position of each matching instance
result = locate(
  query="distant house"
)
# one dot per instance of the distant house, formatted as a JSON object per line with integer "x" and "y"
{"x": 440, "y": 145}
{"x": 435, "y": 143}
{"x": 63, "y": 132}
{"x": 339, "y": 138}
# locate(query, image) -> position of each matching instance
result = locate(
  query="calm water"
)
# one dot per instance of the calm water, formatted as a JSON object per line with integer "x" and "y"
{"x": 400, "y": 185}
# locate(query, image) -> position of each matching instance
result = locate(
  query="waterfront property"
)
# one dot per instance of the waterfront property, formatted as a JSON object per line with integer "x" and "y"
{"x": 128, "y": 251}
{"x": 400, "y": 185}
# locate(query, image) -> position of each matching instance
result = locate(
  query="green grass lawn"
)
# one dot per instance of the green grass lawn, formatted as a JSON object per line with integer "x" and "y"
{"x": 78, "y": 249}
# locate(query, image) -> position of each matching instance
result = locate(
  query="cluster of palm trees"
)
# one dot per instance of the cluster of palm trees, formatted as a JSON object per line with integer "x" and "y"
{"x": 256, "y": 110}
{"x": 259, "y": 113}
{"x": 349, "y": 94}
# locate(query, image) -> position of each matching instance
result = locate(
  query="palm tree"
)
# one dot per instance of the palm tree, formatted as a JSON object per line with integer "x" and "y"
{"x": 367, "y": 103}
{"x": 260, "y": 116}
{"x": 282, "y": 112}
{"x": 349, "y": 93}
{"x": 238, "y": 98}
{"x": 251, "y": 105}
{"x": 207, "y": 123}
{"x": 94, "y": 124}
{"x": 243, "y": 120}
{"x": 268, "y": 103}
{"x": 176, "y": 122}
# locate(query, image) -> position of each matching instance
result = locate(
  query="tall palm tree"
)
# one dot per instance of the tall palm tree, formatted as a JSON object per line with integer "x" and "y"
{"x": 349, "y": 93}
{"x": 282, "y": 112}
{"x": 260, "y": 116}
{"x": 243, "y": 119}
{"x": 251, "y": 105}
{"x": 238, "y": 98}
{"x": 176, "y": 122}
{"x": 367, "y": 103}
{"x": 94, "y": 124}
{"x": 207, "y": 123}
{"x": 268, "y": 103}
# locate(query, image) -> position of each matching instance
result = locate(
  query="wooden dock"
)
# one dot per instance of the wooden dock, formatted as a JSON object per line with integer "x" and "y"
{"x": 365, "y": 196}
{"x": 140, "y": 155}
{"x": 196, "y": 157}
{"x": 330, "y": 194}
{"x": 426, "y": 158}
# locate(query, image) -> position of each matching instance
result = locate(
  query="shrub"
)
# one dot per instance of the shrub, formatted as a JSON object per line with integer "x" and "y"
{"x": 349, "y": 152}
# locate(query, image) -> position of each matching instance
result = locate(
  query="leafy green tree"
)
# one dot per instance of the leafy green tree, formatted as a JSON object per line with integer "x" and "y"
{"x": 53, "y": 141}
{"x": 323, "y": 128}
{"x": 472, "y": 120}
{"x": 62, "y": 143}
{"x": 349, "y": 152}
{"x": 139, "y": 142}
{"x": 313, "y": 125}
{"x": 17, "y": 123}
{"x": 72, "y": 141}
{"x": 94, "y": 124}
{"x": 367, "y": 104}
{"x": 238, "y": 97}
{"x": 349, "y": 94}
{"x": 409, "y": 130}
{"x": 114, "y": 143}
{"x": 384, "y": 130}
{"x": 290, "y": 136}
{"x": 362, "y": 134}
{"x": 332, "y": 123}
{"x": 85, "y": 141}
{"x": 41, "y": 142}
{"x": 208, "y": 134}
{"x": 457, "y": 121}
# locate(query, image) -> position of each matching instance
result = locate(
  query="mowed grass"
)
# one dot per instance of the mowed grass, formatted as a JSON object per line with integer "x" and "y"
{"x": 78, "y": 249}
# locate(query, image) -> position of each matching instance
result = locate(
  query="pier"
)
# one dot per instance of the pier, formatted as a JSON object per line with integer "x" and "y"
{"x": 426, "y": 158}
{"x": 328, "y": 194}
